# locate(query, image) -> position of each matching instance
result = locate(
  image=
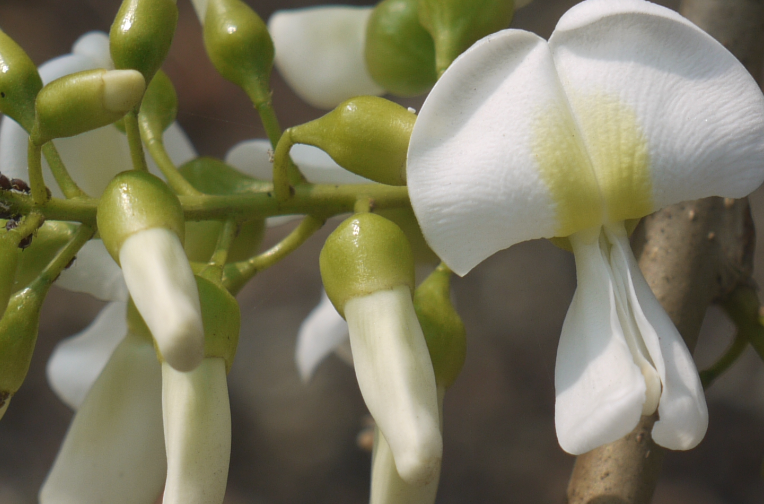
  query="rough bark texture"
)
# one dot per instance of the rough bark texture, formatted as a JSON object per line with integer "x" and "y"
{"x": 691, "y": 254}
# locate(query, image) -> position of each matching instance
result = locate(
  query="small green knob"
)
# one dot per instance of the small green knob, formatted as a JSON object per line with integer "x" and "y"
{"x": 19, "y": 83}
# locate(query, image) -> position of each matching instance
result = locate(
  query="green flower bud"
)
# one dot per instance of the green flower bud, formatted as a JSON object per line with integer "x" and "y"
{"x": 135, "y": 201}
{"x": 19, "y": 83}
{"x": 222, "y": 321}
{"x": 365, "y": 254}
{"x": 457, "y": 24}
{"x": 367, "y": 135}
{"x": 9, "y": 253}
{"x": 159, "y": 106}
{"x": 400, "y": 54}
{"x": 212, "y": 176}
{"x": 442, "y": 327}
{"x": 48, "y": 240}
{"x": 240, "y": 47}
{"x": 405, "y": 219}
{"x": 141, "y": 35}
{"x": 84, "y": 101}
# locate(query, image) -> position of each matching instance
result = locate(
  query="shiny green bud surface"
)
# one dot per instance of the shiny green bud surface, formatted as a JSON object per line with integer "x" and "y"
{"x": 159, "y": 106}
{"x": 141, "y": 35}
{"x": 367, "y": 135}
{"x": 222, "y": 320}
{"x": 84, "y": 101}
{"x": 442, "y": 327}
{"x": 457, "y": 24}
{"x": 240, "y": 47}
{"x": 19, "y": 83}
{"x": 132, "y": 202}
{"x": 365, "y": 254}
{"x": 400, "y": 53}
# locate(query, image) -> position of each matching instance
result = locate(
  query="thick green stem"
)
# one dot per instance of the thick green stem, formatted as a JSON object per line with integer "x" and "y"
{"x": 214, "y": 270}
{"x": 269, "y": 120}
{"x": 134, "y": 141}
{"x": 67, "y": 184}
{"x": 36, "y": 181}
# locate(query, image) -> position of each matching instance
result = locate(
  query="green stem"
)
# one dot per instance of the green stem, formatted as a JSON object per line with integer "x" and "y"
{"x": 236, "y": 275}
{"x": 27, "y": 226}
{"x": 64, "y": 257}
{"x": 36, "y": 181}
{"x": 281, "y": 160}
{"x": 67, "y": 184}
{"x": 134, "y": 141}
{"x": 729, "y": 357}
{"x": 269, "y": 120}
{"x": 177, "y": 182}
{"x": 214, "y": 270}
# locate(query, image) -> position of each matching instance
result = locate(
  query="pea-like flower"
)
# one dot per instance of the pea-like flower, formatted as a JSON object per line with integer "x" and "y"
{"x": 628, "y": 108}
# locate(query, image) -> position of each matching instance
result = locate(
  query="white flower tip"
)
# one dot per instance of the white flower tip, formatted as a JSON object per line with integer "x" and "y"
{"x": 419, "y": 464}
{"x": 122, "y": 90}
{"x": 183, "y": 347}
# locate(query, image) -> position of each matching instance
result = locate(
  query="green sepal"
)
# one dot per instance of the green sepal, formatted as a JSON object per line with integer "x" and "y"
{"x": 135, "y": 201}
{"x": 141, "y": 35}
{"x": 19, "y": 83}
{"x": 9, "y": 254}
{"x": 457, "y": 24}
{"x": 78, "y": 102}
{"x": 365, "y": 254}
{"x": 405, "y": 219}
{"x": 400, "y": 53}
{"x": 222, "y": 320}
{"x": 49, "y": 239}
{"x": 159, "y": 107}
{"x": 366, "y": 135}
{"x": 239, "y": 46}
{"x": 442, "y": 327}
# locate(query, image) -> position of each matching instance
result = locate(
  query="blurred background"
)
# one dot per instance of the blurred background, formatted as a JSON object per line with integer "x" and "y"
{"x": 296, "y": 442}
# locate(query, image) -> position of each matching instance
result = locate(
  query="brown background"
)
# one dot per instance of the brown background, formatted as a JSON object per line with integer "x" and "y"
{"x": 294, "y": 443}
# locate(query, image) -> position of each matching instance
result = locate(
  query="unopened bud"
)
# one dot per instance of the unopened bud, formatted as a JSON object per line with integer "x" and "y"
{"x": 19, "y": 83}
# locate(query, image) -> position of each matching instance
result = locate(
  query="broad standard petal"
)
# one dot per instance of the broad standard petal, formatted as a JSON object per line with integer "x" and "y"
{"x": 77, "y": 361}
{"x": 666, "y": 112}
{"x": 600, "y": 391}
{"x": 94, "y": 272}
{"x": 495, "y": 157}
{"x": 322, "y": 331}
{"x": 320, "y": 53}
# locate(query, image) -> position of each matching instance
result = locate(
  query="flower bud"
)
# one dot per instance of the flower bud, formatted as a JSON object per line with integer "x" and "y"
{"x": 9, "y": 253}
{"x": 400, "y": 54}
{"x": 159, "y": 106}
{"x": 83, "y": 101}
{"x": 239, "y": 45}
{"x": 19, "y": 83}
{"x": 48, "y": 240}
{"x": 367, "y": 135}
{"x": 141, "y": 35}
{"x": 457, "y": 24}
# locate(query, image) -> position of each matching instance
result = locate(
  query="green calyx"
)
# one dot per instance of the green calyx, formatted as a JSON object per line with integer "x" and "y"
{"x": 457, "y": 24}
{"x": 366, "y": 135}
{"x": 213, "y": 176}
{"x": 405, "y": 219}
{"x": 159, "y": 106}
{"x": 135, "y": 201}
{"x": 141, "y": 35}
{"x": 442, "y": 327}
{"x": 19, "y": 83}
{"x": 83, "y": 101}
{"x": 400, "y": 53}
{"x": 240, "y": 47}
{"x": 365, "y": 254}
{"x": 222, "y": 320}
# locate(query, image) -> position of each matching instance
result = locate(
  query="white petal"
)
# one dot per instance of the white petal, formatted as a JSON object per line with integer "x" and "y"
{"x": 95, "y": 46}
{"x": 600, "y": 391}
{"x": 698, "y": 108}
{"x": 320, "y": 334}
{"x": 682, "y": 410}
{"x": 94, "y": 272}
{"x": 320, "y": 53}
{"x": 162, "y": 285}
{"x": 178, "y": 145}
{"x": 197, "y": 425}
{"x": 65, "y": 65}
{"x": 492, "y": 143}
{"x": 77, "y": 361}
{"x": 200, "y": 6}
{"x": 13, "y": 150}
{"x": 396, "y": 379}
{"x": 114, "y": 449}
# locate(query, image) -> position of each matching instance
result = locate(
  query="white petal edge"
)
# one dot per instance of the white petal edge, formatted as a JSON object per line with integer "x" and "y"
{"x": 700, "y": 110}
{"x": 162, "y": 286}
{"x": 320, "y": 53}
{"x": 599, "y": 389}
{"x": 77, "y": 361}
{"x": 114, "y": 450}
{"x": 682, "y": 411}
{"x": 95, "y": 46}
{"x": 94, "y": 272}
{"x": 322, "y": 331}
{"x": 197, "y": 426}
{"x": 396, "y": 379}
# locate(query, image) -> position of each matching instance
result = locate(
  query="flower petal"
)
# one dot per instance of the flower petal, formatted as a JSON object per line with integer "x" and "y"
{"x": 600, "y": 391}
{"x": 197, "y": 426}
{"x": 77, "y": 361}
{"x": 495, "y": 156}
{"x": 94, "y": 272}
{"x": 114, "y": 449}
{"x": 94, "y": 46}
{"x": 322, "y": 331}
{"x": 667, "y": 113}
{"x": 320, "y": 53}
{"x": 178, "y": 145}
{"x": 682, "y": 409}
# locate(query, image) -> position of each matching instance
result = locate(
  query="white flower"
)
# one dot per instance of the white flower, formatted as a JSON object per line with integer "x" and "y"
{"x": 628, "y": 108}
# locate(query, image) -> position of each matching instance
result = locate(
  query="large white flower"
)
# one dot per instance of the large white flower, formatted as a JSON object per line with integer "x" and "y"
{"x": 628, "y": 108}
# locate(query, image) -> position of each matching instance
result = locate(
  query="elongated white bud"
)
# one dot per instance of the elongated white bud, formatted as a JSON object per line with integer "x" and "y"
{"x": 162, "y": 286}
{"x": 197, "y": 426}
